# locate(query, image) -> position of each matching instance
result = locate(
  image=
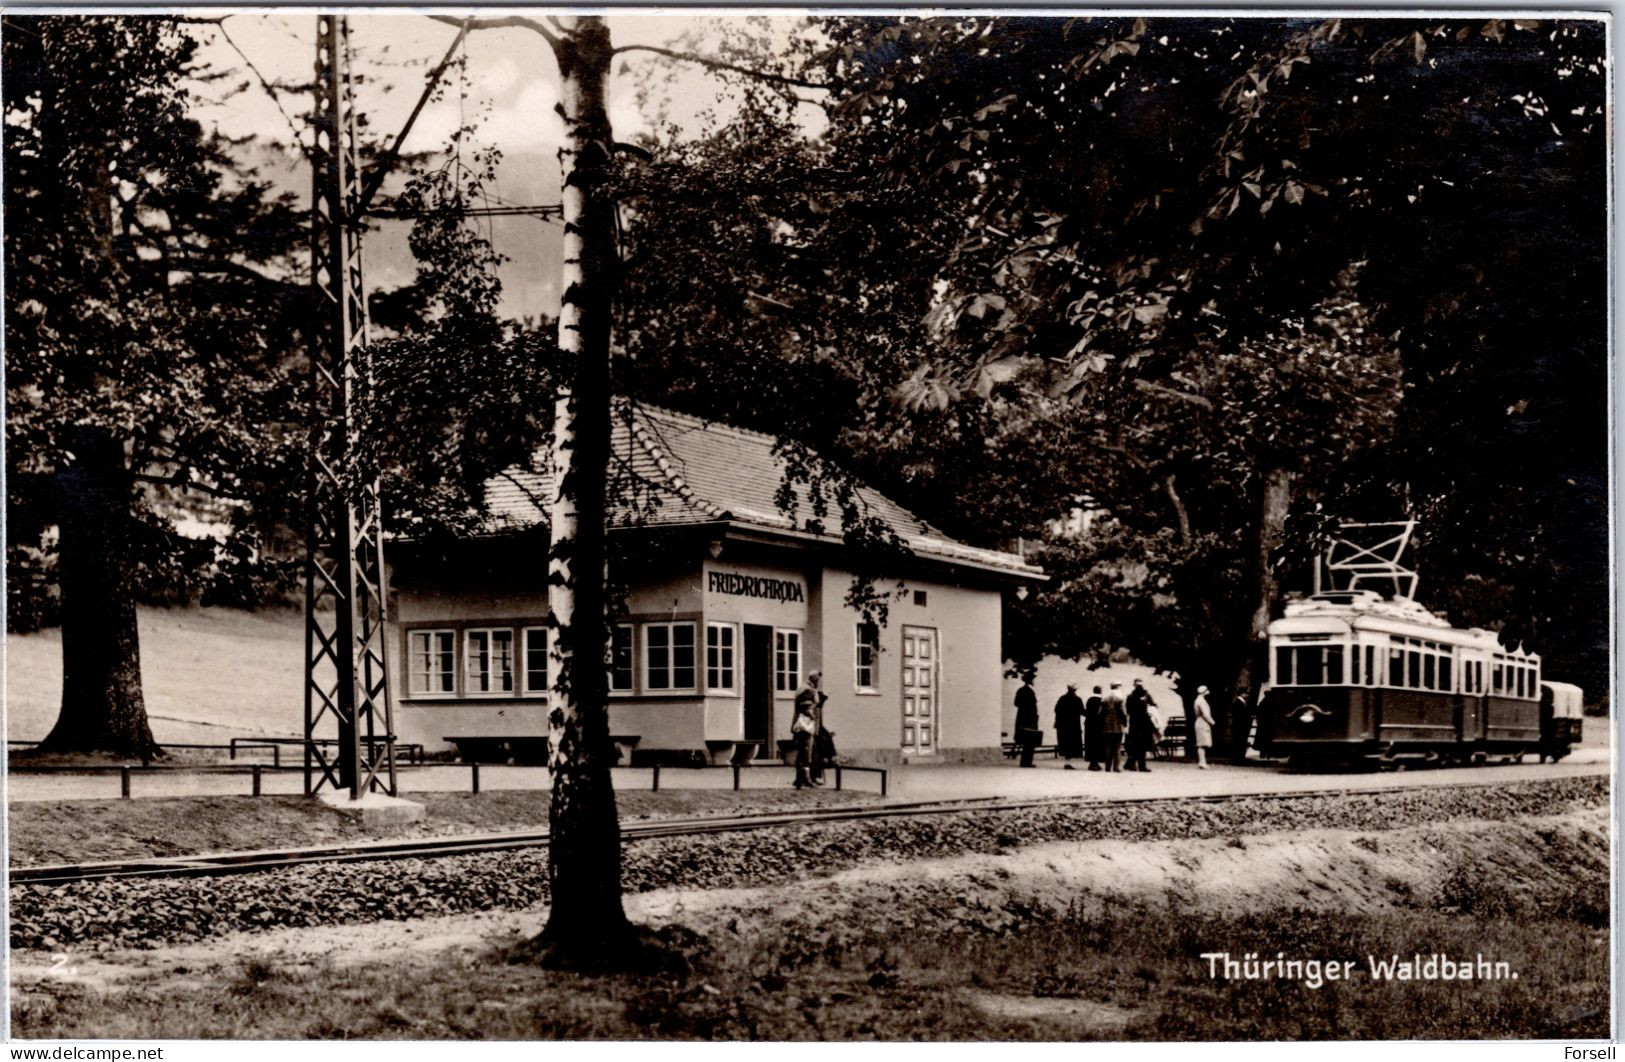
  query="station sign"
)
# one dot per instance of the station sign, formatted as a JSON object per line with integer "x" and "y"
{"x": 739, "y": 584}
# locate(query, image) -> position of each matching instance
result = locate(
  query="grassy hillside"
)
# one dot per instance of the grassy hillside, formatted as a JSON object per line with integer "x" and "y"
{"x": 208, "y": 674}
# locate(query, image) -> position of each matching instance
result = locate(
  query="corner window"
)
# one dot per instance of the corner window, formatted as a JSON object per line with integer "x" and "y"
{"x": 620, "y": 659}
{"x": 535, "y": 659}
{"x": 866, "y": 656}
{"x": 488, "y": 662}
{"x": 719, "y": 657}
{"x": 668, "y": 656}
{"x": 786, "y": 661}
{"x": 432, "y": 662}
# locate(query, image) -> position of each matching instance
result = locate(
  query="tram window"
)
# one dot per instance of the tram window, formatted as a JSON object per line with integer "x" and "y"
{"x": 1414, "y": 671}
{"x": 1354, "y": 667}
{"x": 1370, "y": 666}
{"x": 1500, "y": 686}
{"x": 1519, "y": 688}
{"x": 1309, "y": 665}
{"x": 1428, "y": 677}
{"x": 1396, "y": 667}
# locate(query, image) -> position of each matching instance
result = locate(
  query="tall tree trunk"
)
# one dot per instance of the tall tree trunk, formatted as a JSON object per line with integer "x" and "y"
{"x": 102, "y": 704}
{"x": 103, "y": 709}
{"x": 1274, "y": 504}
{"x": 586, "y": 921}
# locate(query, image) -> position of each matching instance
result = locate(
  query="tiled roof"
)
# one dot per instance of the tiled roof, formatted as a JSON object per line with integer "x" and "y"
{"x": 672, "y": 468}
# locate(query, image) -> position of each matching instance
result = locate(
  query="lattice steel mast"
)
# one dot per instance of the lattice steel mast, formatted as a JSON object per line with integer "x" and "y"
{"x": 346, "y": 678}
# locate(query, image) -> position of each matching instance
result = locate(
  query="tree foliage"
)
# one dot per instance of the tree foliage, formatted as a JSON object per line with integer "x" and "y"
{"x": 458, "y": 394}
{"x": 1138, "y": 189}
{"x": 152, "y": 300}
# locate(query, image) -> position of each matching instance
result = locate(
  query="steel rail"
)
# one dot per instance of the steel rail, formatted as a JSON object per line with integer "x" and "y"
{"x": 652, "y": 829}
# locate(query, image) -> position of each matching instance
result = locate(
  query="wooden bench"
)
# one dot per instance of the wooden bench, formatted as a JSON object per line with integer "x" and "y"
{"x": 526, "y": 750}
{"x": 1175, "y": 730}
{"x": 411, "y": 752}
{"x": 1012, "y": 750}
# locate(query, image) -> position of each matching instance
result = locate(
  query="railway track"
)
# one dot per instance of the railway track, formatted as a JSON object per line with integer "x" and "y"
{"x": 468, "y": 844}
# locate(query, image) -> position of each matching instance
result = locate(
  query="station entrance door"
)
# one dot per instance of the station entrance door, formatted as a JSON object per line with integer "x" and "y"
{"x": 920, "y": 696}
{"x": 759, "y": 686}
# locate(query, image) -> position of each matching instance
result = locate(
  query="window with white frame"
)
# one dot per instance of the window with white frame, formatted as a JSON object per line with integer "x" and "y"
{"x": 620, "y": 659}
{"x": 866, "y": 656}
{"x": 488, "y": 661}
{"x": 432, "y": 662}
{"x": 786, "y": 660}
{"x": 668, "y": 656}
{"x": 535, "y": 659}
{"x": 720, "y": 642}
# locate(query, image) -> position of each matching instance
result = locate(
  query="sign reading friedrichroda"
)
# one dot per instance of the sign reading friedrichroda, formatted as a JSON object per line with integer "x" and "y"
{"x": 756, "y": 586}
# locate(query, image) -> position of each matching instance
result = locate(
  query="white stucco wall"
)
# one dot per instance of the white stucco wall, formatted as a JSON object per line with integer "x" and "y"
{"x": 868, "y": 726}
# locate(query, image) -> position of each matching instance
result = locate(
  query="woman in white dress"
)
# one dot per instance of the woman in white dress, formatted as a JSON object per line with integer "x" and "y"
{"x": 1202, "y": 724}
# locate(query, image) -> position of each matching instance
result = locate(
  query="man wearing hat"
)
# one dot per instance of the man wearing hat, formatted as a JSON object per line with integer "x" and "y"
{"x": 1027, "y": 732}
{"x": 1202, "y": 726}
{"x": 1113, "y": 721}
{"x": 1069, "y": 726}
{"x": 1093, "y": 709}
{"x": 1141, "y": 734}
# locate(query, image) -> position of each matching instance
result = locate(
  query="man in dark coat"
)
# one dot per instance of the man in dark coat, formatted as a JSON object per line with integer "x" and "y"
{"x": 811, "y": 699}
{"x": 1141, "y": 734}
{"x": 1027, "y": 732}
{"x": 1069, "y": 726}
{"x": 1093, "y": 708}
{"x": 1240, "y": 724}
{"x": 1113, "y": 721}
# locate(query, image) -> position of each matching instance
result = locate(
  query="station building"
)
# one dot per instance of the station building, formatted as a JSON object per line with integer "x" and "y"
{"x": 729, "y": 604}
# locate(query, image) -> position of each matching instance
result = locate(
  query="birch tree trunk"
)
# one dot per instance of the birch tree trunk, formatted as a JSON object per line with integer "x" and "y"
{"x": 586, "y": 922}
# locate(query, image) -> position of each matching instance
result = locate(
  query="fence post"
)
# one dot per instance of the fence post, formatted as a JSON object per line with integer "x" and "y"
{"x": 476, "y": 776}
{"x": 736, "y": 777}
{"x": 656, "y": 787}
{"x": 233, "y": 748}
{"x": 837, "y": 776}
{"x": 276, "y": 755}
{"x": 124, "y": 782}
{"x": 256, "y": 779}
{"x": 882, "y": 781}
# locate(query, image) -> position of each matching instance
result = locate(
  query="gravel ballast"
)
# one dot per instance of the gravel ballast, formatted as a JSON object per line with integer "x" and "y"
{"x": 154, "y": 912}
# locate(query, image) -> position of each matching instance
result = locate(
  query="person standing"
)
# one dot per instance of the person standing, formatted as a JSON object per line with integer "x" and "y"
{"x": 1141, "y": 731}
{"x": 1241, "y": 723}
{"x": 1202, "y": 726}
{"x": 1027, "y": 732}
{"x": 1093, "y": 708}
{"x": 803, "y": 730}
{"x": 1113, "y": 721}
{"x": 813, "y": 699}
{"x": 1069, "y": 726}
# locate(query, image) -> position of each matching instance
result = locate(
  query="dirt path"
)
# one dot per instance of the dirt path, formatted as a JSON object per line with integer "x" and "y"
{"x": 1324, "y": 870}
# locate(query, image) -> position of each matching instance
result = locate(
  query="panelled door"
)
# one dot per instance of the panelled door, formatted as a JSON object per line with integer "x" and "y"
{"x": 920, "y": 675}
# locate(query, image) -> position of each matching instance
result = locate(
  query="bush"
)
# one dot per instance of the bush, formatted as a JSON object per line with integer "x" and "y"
{"x": 33, "y": 601}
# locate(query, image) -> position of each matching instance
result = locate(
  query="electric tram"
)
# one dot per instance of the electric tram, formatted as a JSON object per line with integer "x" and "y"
{"x": 1357, "y": 675}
